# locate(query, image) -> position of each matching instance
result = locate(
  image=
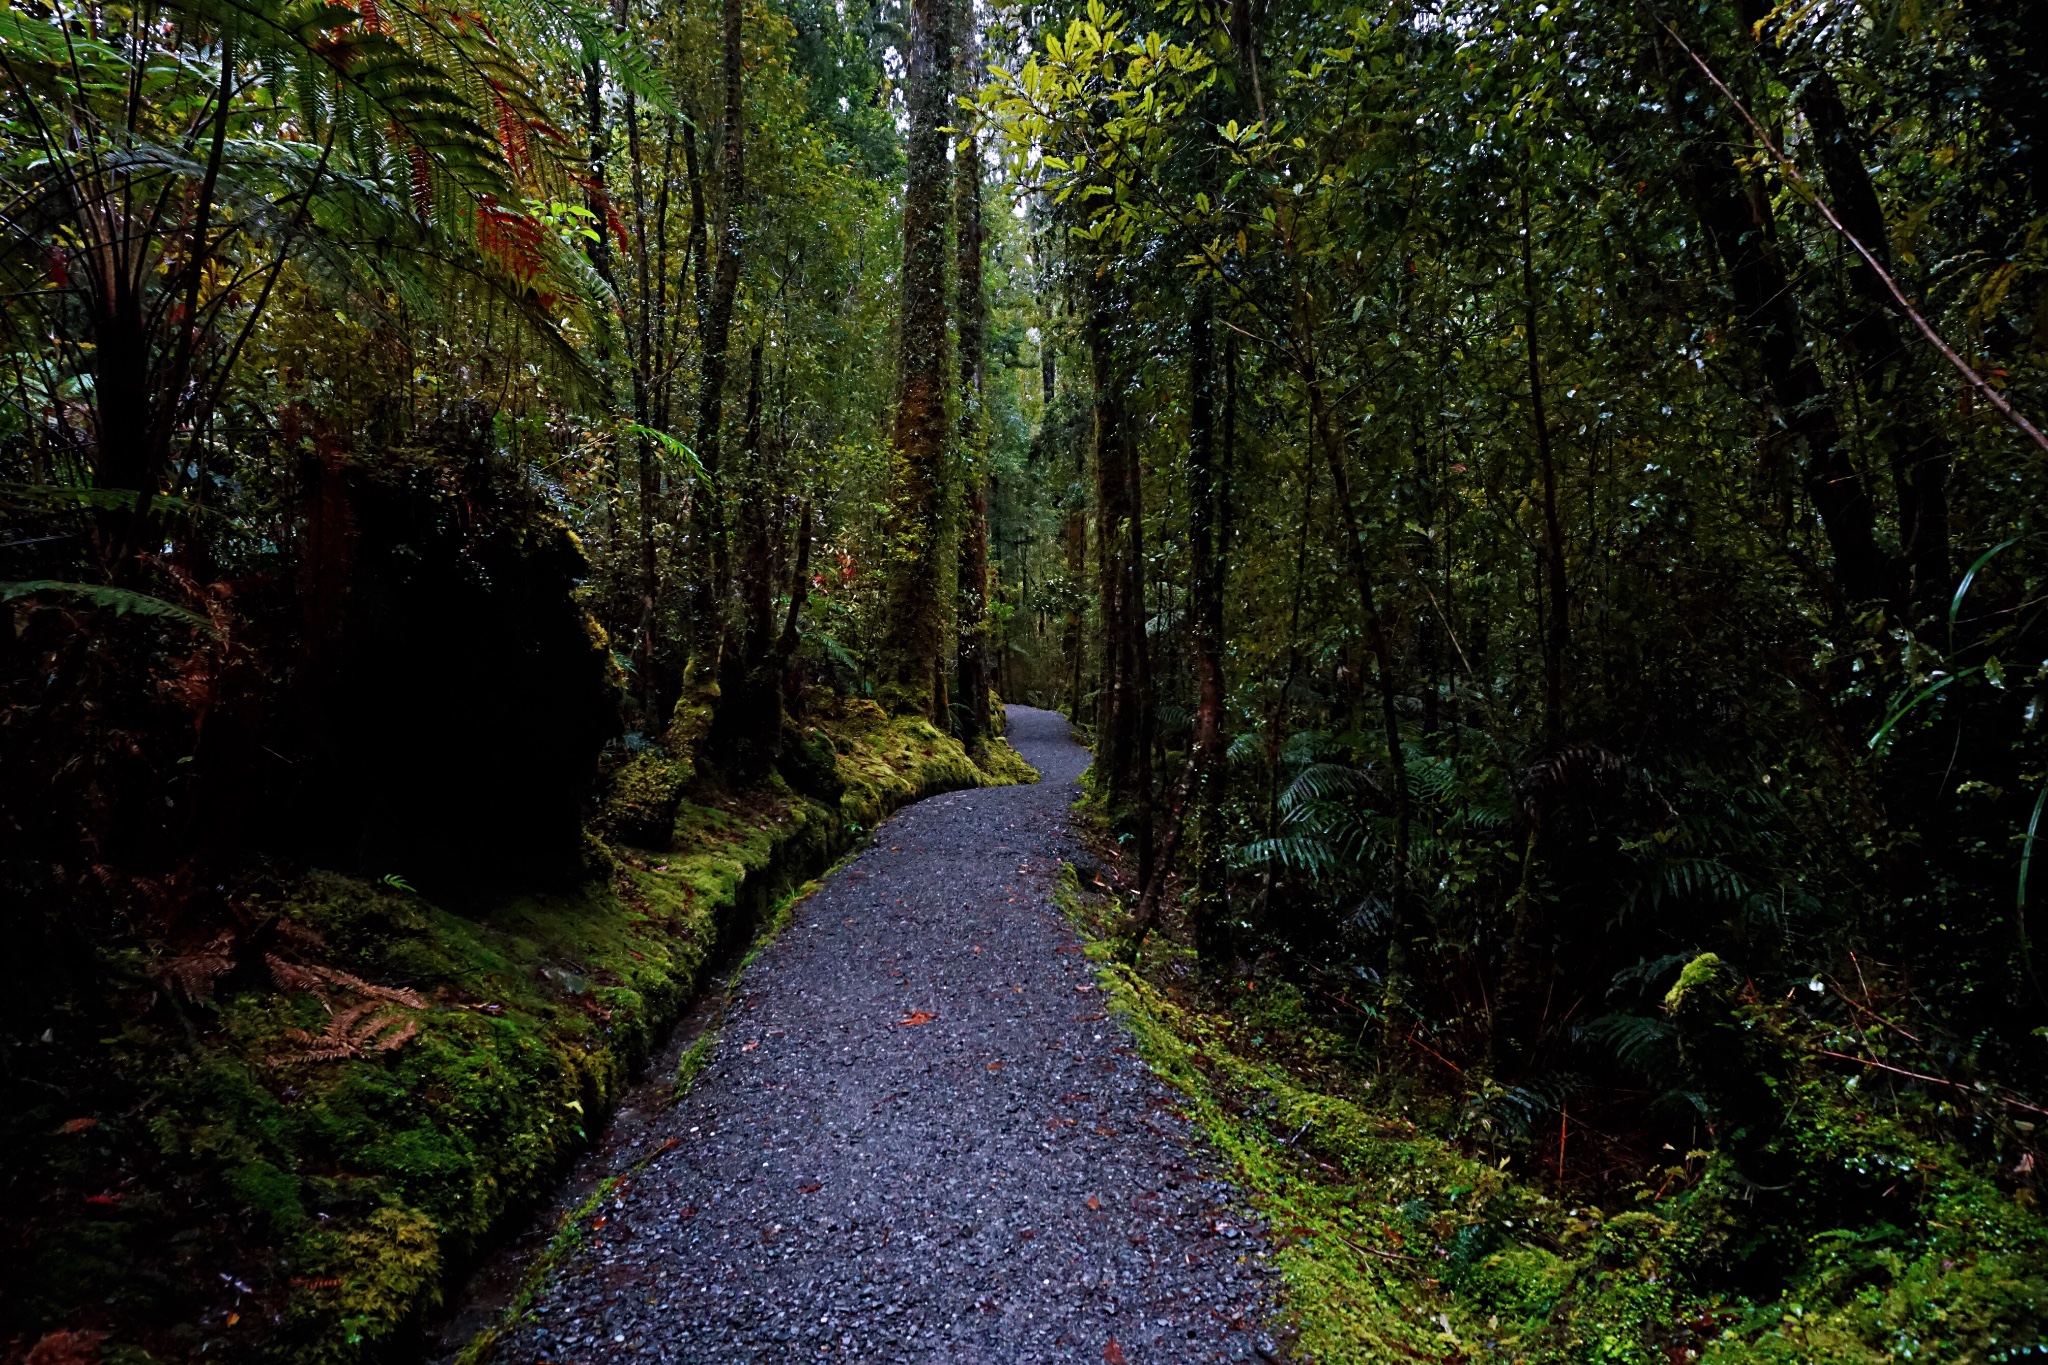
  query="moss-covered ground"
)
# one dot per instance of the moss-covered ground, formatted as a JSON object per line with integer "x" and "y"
{"x": 294, "y": 1163}
{"x": 1398, "y": 1238}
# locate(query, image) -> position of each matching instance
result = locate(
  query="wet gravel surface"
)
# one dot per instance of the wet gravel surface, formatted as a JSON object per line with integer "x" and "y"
{"x": 921, "y": 1139}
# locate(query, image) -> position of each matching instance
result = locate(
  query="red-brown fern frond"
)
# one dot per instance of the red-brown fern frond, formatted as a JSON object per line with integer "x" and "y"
{"x": 422, "y": 182}
{"x": 196, "y": 974}
{"x": 296, "y": 976}
{"x": 513, "y": 138}
{"x": 357, "y": 1031}
{"x": 511, "y": 238}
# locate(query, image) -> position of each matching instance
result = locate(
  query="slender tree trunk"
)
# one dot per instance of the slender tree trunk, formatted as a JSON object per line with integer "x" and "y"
{"x": 918, "y": 503}
{"x": 1118, "y": 724}
{"x": 1206, "y": 570}
{"x": 746, "y": 728}
{"x": 596, "y": 197}
{"x": 1401, "y": 928}
{"x": 1741, "y": 228}
{"x": 970, "y": 312}
{"x": 1124, "y": 744}
{"x": 717, "y": 339}
{"x": 1919, "y": 448}
{"x": 699, "y": 245}
{"x": 1073, "y": 640}
{"x": 1557, "y": 635}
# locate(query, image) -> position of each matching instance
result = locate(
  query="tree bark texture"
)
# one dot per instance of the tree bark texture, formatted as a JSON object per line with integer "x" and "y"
{"x": 1911, "y": 430}
{"x": 1123, "y": 741}
{"x": 1558, "y": 630}
{"x": 746, "y": 728}
{"x": 918, "y": 503}
{"x": 971, "y": 326}
{"x": 717, "y": 341}
{"x": 1739, "y": 224}
{"x": 1206, "y": 613}
{"x": 1399, "y": 916}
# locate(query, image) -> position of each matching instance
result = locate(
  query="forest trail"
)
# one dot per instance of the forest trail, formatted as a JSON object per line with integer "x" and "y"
{"x": 920, "y": 1138}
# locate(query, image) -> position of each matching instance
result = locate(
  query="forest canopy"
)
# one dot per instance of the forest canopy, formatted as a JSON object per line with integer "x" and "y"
{"x": 1531, "y": 504}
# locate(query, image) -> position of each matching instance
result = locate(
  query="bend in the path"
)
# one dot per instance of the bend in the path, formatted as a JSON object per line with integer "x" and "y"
{"x": 921, "y": 1139}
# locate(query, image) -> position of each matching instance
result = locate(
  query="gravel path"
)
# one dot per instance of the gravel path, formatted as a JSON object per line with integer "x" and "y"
{"x": 920, "y": 1139}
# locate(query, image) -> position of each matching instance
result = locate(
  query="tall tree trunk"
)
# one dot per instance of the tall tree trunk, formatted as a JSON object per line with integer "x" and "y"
{"x": 699, "y": 242}
{"x": 1741, "y": 228}
{"x": 639, "y": 352}
{"x": 1910, "y": 424}
{"x": 1401, "y": 927}
{"x": 918, "y": 503}
{"x": 596, "y": 197}
{"x": 1123, "y": 741}
{"x": 717, "y": 341}
{"x": 746, "y": 728}
{"x": 1557, "y": 635}
{"x": 970, "y": 313}
{"x": 1920, "y": 451}
{"x": 1205, "y": 495}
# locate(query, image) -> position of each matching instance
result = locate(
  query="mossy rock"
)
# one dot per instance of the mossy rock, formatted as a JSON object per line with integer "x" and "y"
{"x": 640, "y": 807}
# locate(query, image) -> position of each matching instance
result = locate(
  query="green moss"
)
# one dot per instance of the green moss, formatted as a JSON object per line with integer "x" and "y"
{"x": 359, "y": 1181}
{"x": 1703, "y": 971}
{"x": 641, "y": 799}
{"x": 1392, "y": 1243}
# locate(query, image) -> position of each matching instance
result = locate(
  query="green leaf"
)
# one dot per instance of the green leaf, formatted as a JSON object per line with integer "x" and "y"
{"x": 674, "y": 447}
{"x": 1922, "y": 695}
{"x": 1956, "y": 605}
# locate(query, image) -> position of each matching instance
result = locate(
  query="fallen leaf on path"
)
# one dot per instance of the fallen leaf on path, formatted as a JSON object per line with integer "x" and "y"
{"x": 1112, "y": 1354}
{"x": 1107, "y": 1132}
{"x": 995, "y": 1066}
{"x": 1093, "y": 1202}
{"x": 916, "y": 1017}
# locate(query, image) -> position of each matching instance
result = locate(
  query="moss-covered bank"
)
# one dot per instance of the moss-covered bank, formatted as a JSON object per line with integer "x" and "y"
{"x": 1397, "y": 1242}
{"x": 295, "y": 1167}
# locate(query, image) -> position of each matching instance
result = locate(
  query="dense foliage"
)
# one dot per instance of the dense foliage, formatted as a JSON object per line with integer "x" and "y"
{"x": 1562, "y": 494}
{"x": 1532, "y": 503}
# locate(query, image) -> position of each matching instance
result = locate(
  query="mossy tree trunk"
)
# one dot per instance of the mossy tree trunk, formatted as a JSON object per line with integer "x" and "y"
{"x": 971, "y": 326}
{"x": 916, "y": 629}
{"x": 717, "y": 340}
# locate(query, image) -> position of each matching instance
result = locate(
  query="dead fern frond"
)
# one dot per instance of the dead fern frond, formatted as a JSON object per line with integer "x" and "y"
{"x": 296, "y": 976}
{"x": 196, "y": 974}
{"x": 357, "y": 1031}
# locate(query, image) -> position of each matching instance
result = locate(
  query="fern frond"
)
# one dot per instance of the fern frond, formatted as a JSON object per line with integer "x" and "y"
{"x": 121, "y": 601}
{"x": 1643, "y": 1044}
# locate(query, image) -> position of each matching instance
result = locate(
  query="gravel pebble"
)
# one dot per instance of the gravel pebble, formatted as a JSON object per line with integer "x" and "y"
{"x": 1005, "y": 1182}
